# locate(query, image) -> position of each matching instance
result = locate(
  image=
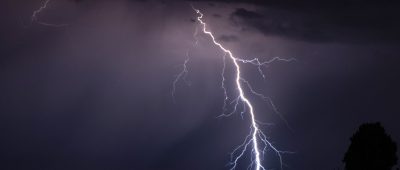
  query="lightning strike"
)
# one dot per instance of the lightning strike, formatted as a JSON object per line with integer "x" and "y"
{"x": 181, "y": 75}
{"x": 184, "y": 72}
{"x": 34, "y": 17}
{"x": 256, "y": 139}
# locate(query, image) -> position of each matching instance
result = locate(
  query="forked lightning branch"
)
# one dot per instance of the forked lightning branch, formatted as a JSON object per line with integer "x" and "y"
{"x": 256, "y": 142}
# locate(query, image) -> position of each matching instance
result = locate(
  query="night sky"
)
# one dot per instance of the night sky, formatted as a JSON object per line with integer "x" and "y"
{"x": 96, "y": 93}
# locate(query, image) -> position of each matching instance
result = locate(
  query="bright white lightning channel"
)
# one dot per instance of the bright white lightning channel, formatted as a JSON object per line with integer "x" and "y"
{"x": 256, "y": 140}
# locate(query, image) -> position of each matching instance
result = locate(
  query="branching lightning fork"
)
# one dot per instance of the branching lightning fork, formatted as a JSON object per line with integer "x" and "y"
{"x": 256, "y": 140}
{"x": 184, "y": 72}
{"x": 34, "y": 17}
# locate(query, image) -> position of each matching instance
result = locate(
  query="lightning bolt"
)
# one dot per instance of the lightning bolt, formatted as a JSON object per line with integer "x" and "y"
{"x": 184, "y": 72}
{"x": 256, "y": 141}
{"x": 181, "y": 75}
{"x": 34, "y": 17}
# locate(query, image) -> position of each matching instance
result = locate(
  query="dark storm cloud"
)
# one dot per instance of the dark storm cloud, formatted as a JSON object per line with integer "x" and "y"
{"x": 321, "y": 27}
{"x": 78, "y": 1}
{"x": 323, "y": 21}
{"x": 282, "y": 23}
{"x": 241, "y": 12}
{"x": 217, "y": 15}
{"x": 228, "y": 38}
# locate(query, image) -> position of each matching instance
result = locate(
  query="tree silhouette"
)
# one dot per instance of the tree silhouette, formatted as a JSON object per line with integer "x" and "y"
{"x": 370, "y": 149}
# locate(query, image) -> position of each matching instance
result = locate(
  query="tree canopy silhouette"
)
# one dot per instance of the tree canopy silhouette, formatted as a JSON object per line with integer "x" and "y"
{"x": 371, "y": 149}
